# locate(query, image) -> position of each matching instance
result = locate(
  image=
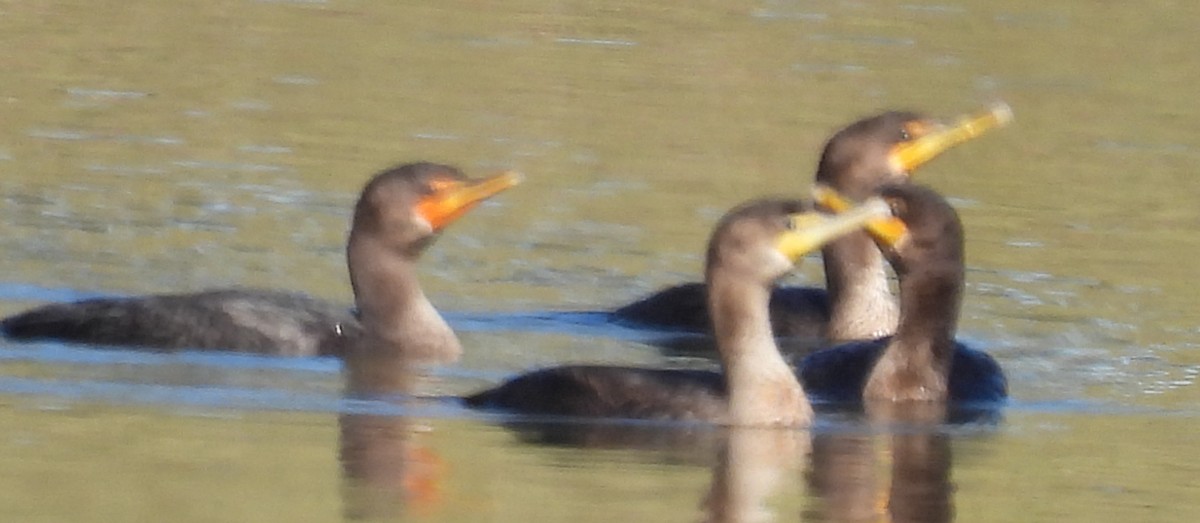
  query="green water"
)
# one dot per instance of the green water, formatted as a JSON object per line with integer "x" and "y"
{"x": 151, "y": 146}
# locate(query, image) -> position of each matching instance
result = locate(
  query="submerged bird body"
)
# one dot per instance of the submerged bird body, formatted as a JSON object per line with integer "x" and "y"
{"x": 921, "y": 361}
{"x": 974, "y": 376}
{"x": 857, "y": 302}
{"x": 594, "y": 391}
{"x": 399, "y": 214}
{"x": 796, "y": 312}
{"x": 242, "y": 320}
{"x": 751, "y": 247}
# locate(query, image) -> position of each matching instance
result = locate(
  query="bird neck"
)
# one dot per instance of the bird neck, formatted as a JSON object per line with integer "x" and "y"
{"x": 761, "y": 387}
{"x": 391, "y": 305}
{"x": 916, "y": 363}
{"x": 860, "y": 299}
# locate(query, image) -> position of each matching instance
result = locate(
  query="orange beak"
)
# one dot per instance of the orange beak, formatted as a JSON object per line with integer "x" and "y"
{"x": 889, "y": 230}
{"x": 453, "y": 198}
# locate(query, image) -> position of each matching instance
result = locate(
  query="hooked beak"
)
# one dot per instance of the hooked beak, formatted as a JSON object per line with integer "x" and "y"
{"x": 452, "y": 199}
{"x": 908, "y": 156}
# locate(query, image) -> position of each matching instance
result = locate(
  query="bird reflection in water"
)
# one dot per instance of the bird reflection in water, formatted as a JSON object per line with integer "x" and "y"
{"x": 751, "y": 464}
{"x": 387, "y": 472}
{"x": 896, "y": 471}
{"x": 893, "y": 467}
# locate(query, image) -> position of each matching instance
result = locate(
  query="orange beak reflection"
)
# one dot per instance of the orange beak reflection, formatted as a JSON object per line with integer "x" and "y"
{"x": 453, "y": 198}
{"x": 889, "y": 231}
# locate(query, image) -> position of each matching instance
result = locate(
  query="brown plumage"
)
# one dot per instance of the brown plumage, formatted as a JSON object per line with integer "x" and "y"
{"x": 400, "y": 212}
{"x": 751, "y": 247}
{"x": 922, "y": 361}
{"x": 856, "y": 302}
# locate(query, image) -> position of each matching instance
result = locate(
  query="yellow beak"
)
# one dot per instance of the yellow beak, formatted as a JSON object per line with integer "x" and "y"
{"x": 908, "y": 156}
{"x": 886, "y": 228}
{"x": 809, "y": 231}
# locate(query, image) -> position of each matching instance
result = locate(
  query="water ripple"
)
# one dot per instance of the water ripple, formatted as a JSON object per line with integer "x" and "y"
{"x": 595, "y": 41}
{"x": 83, "y": 92}
{"x": 231, "y": 166}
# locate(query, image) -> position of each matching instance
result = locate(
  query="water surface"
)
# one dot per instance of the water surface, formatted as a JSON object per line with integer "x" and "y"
{"x": 154, "y": 146}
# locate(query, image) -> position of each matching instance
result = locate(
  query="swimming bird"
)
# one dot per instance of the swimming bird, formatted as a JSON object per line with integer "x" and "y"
{"x": 752, "y": 246}
{"x": 921, "y": 361}
{"x": 856, "y": 302}
{"x": 398, "y": 215}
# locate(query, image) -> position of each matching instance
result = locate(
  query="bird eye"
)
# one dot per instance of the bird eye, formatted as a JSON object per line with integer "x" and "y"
{"x": 904, "y": 136}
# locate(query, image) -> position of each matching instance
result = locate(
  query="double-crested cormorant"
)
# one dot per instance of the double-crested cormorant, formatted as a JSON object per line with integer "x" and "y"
{"x": 921, "y": 361}
{"x": 750, "y": 248}
{"x": 400, "y": 212}
{"x": 857, "y": 302}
